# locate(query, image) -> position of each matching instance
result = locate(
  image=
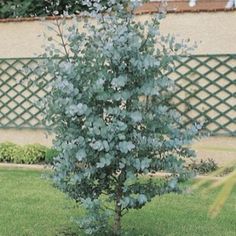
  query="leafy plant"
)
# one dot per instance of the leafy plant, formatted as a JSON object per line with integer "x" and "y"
{"x": 50, "y": 154}
{"x": 27, "y": 154}
{"x": 109, "y": 114}
{"x": 27, "y": 8}
{"x": 32, "y": 153}
{"x": 204, "y": 166}
{"x": 227, "y": 170}
{"x": 8, "y": 151}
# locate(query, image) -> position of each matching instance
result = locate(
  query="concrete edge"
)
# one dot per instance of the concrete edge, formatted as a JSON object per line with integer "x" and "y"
{"x": 25, "y": 166}
{"x": 48, "y": 167}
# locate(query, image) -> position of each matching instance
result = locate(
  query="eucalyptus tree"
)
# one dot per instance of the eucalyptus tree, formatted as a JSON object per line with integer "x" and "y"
{"x": 110, "y": 115}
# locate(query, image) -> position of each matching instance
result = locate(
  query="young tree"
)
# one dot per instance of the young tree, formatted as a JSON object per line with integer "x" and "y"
{"x": 110, "y": 116}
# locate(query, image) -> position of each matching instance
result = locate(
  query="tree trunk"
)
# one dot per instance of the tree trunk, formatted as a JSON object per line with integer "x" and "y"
{"x": 117, "y": 217}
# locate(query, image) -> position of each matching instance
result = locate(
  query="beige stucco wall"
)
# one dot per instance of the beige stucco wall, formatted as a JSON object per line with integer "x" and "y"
{"x": 25, "y": 136}
{"x": 214, "y": 32}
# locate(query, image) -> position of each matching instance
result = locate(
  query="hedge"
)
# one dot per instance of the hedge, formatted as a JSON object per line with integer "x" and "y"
{"x": 27, "y": 154}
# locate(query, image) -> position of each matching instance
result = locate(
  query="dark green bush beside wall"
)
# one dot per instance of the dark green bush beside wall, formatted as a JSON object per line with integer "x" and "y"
{"x": 27, "y": 154}
{"x": 26, "y": 8}
{"x": 203, "y": 166}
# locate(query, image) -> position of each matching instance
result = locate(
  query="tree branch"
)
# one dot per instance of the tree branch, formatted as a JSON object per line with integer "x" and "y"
{"x": 60, "y": 33}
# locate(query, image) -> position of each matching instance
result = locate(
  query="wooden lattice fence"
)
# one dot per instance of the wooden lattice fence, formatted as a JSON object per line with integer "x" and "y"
{"x": 206, "y": 91}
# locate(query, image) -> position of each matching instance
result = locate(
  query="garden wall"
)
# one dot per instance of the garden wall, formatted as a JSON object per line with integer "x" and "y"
{"x": 215, "y": 31}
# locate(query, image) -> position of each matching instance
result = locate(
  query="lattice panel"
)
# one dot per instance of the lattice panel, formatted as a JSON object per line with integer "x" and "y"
{"x": 20, "y": 92}
{"x": 206, "y": 91}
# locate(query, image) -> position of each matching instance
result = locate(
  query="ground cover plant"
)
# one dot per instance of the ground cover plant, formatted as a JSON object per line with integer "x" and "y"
{"x": 31, "y": 206}
{"x": 109, "y": 113}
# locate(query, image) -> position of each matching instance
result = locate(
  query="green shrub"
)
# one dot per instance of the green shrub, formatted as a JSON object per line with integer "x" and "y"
{"x": 227, "y": 170}
{"x": 8, "y": 151}
{"x": 32, "y": 154}
{"x": 50, "y": 155}
{"x": 204, "y": 166}
{"x": 27, "y": 154}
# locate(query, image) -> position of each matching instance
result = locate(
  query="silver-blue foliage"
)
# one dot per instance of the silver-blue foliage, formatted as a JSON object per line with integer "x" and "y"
{"x": 110, "y": 114}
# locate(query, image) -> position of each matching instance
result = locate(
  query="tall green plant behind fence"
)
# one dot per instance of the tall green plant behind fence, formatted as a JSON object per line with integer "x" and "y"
{"x": 205, "y": 91}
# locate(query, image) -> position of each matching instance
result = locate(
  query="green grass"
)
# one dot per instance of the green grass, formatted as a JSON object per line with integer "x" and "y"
{"x": 180, "y": 215}
{"x": 30, "y": 206}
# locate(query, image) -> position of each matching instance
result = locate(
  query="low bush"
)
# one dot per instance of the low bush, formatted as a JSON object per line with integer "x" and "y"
{"x": 50, "y": 155}
{"x": 32, "y": 153}
{"x": 227, "y": 170}
{"x": 27, "y": 154}
{"x": 8, "y": 151}
{"x": 204, "y": 166}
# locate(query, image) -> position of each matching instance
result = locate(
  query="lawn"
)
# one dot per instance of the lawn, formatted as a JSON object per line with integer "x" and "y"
{"x": 29, "y": 205}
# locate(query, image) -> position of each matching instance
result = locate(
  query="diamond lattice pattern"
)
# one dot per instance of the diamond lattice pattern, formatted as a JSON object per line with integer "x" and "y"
{"x": 205, "y": 91}
{"x": 20, "y": 92}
